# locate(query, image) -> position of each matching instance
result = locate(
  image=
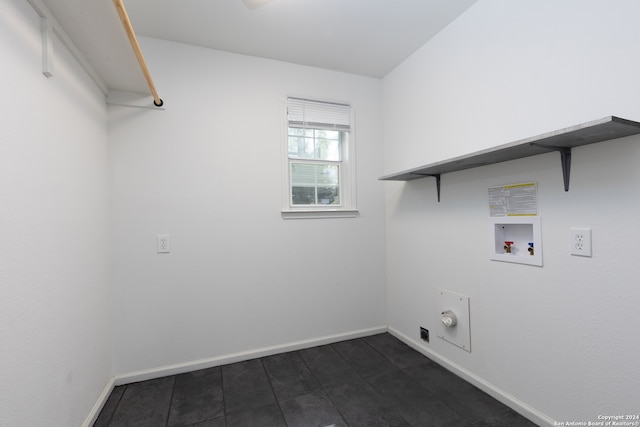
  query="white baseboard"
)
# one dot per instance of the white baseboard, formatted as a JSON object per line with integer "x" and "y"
{"x": 102, "y": 399}
{"x": 495, "y": 392}
{"x": 194, "y": 365}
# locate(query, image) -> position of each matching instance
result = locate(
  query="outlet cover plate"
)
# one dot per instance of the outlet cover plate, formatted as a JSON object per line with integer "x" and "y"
{"x": 163, "y": 244}
{"x": 580, "y": 242}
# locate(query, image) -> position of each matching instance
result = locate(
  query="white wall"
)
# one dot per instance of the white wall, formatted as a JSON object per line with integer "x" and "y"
{"x": 560, "y": 342}
{"x": 54, "y": 246}
{"x": 207, "y": 171}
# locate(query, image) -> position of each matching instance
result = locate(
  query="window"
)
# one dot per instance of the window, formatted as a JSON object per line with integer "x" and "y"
{"x": 319, "y": 160}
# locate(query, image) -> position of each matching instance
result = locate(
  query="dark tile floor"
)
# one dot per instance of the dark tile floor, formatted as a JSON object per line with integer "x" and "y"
{"x": 372, "y": 381}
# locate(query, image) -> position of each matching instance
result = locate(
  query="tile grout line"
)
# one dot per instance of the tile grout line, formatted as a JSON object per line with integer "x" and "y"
{"x": 322, "y": 388}
{"x": 173, "y": 389}
{"x": 329, "y": 396}
{"x": 113, "y": 413}
{"x": 224, "y": 401}
{"x": 266, "y": 373}
{"x": 364, "y": 379}
{"x": 380, "y": 353}
{"x": 414, "y": 380}
{"x": 345, "y": 359}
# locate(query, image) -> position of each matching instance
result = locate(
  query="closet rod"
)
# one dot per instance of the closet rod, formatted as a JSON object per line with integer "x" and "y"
{"x": 126, "y": 23}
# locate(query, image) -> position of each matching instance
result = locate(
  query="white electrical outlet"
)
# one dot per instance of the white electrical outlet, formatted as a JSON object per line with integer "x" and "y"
{"x": 580, "y": 241}
{"x": 163, "y": 246}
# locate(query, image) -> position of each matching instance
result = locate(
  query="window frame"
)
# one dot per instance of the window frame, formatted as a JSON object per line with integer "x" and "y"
{"x": 347, "y": 172}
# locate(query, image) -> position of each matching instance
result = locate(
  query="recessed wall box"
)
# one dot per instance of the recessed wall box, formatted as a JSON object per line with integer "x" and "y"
{"x": 516, "y": 239}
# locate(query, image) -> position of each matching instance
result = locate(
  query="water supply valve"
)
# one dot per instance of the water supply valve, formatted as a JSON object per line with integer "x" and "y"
{"x": 507, "y": 247}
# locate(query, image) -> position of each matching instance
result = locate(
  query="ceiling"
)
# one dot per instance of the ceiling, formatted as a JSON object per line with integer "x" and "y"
{"x": 365, "y": 37}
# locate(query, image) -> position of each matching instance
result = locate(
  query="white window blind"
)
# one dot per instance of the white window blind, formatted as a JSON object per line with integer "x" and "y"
{"x": 306, "y": 113}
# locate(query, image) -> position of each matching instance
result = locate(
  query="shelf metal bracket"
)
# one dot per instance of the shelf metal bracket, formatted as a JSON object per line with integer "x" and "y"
{"x": 436, "y": 176}
{"x": 565, "y": 158}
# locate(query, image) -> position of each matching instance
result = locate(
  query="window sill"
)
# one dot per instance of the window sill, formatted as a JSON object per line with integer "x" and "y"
{"x": 319, "y": 213}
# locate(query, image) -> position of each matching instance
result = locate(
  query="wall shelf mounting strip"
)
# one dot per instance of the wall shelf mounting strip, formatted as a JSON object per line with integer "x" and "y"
{"x": 561, "y": 140}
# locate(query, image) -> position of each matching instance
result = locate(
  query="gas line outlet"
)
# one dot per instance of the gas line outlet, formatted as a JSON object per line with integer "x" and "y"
{"x": 580, "y": 242}
{"x": 449, "y": 318}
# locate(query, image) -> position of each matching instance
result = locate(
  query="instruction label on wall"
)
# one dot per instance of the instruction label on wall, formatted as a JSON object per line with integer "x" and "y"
{"x": 514, "y": 200}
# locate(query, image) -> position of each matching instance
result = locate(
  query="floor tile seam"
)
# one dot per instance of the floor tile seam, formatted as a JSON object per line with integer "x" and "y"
{"x": 275, "y": 396}
{"x": 224, "y": 401}
{"x": 320, "y": 387}
{"x": 173, "y": 389}
{"x": 113, "y": 413}
{"x": 496, "y": 417}
{"x": 400, "y": 351}
{"x": 370, "y": 392}
{"x": 317, "y": 391}
{"x": 336, "y": 406}
{"x": 436, "y": 386}
{"x": 362, "y": 377}
{"x": 363, "y": 340}
{"x": 414, "y": 405}
{"x": 461, "y": 412}
{"x": 396, "y": 409}
{"x": 424, "y": 390}
{"x": 347, "y": 364}
{"x": 432, "y": 393}
{"x": 380, "y": 353}
{"x": 231, "y": 388}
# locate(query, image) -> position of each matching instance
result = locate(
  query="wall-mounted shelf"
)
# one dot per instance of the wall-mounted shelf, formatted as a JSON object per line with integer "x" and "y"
{"x": 561, "y": 140}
